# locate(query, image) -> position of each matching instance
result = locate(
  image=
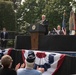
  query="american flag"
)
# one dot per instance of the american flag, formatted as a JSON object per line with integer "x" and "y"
{"x": 50, "y": 61}
{"x": 63, "y": 21}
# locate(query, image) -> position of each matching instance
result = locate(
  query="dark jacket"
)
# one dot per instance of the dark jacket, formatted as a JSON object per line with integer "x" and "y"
{"x": 46, "y": 23}
{"x": 7, "y": 71}
{"x": 4, "y": 36}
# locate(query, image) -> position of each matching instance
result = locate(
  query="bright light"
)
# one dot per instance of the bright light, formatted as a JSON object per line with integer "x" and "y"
{"x": 22, "y": 1}
{"x": 70, "y": 3}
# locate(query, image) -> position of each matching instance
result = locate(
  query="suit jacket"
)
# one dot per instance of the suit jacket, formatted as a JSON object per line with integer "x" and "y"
{"x": 7, "y": 71}
{"x": 4, "y": 36}
{"x": 45, "y": 23}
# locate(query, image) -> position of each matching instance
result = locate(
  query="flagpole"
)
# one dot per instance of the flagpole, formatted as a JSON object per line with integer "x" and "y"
{"x": 63, "y": 22}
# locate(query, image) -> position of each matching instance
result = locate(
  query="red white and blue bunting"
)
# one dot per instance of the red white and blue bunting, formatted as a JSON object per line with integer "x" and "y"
{"x": 50, "y": 61}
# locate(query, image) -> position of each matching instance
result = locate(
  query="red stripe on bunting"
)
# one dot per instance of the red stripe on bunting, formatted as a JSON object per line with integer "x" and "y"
{"x": 9, "y": 51}
{"x": 60, "y": 63}
{"x": 23, "y": 51}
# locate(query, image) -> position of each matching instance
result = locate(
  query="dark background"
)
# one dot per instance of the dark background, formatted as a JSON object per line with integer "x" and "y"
{"x": 48, "y": 42}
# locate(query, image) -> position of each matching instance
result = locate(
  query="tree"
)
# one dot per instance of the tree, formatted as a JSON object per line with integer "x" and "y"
{"x": 7, "y": 15}
{"x": 54, "y": 10}
{"x": 31, "y": 10}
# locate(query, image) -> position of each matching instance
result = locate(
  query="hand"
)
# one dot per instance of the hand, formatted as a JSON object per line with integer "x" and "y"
{"x": 54, "y": 29}
{"x": 40, "y": 69}
{"x": 17, "y": 66}
{"x": 64, "y": 31}
{"x": 22, "y": 65}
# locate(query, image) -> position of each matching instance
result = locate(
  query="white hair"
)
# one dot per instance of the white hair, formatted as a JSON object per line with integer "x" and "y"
{"x": 43, "y": 15}
{"x": 29, "y": 65}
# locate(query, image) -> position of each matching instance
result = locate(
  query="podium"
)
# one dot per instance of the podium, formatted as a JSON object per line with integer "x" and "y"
{"x": 36, "y": 30}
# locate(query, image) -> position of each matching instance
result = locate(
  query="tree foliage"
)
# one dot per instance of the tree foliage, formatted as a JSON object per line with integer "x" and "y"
{"x": 54, "y": 10}
{"x": 31, "y": 11}
{"x": 7, "y": 15}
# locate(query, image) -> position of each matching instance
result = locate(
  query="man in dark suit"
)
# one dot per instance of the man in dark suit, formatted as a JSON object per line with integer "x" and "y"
{"x": 6, "y": 62}
{"x": 45, "y": 23}
{"x": 4, "y": 37}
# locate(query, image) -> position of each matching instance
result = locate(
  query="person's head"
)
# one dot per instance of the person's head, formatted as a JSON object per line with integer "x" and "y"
{"x": 30, "y": 60}
{"x": 58, "y": 27}
{"x": 43, "y": 17}
{"x": 6, "y": 61}
{"x": 4, "y": 29}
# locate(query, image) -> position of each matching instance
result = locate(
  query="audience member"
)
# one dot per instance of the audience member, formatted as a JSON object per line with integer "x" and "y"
{"x": 28, "y": 70}
{"x": 6, "y": 62}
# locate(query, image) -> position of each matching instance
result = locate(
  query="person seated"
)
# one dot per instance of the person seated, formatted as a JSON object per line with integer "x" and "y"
{"x": 6, "y": 62}
{"x": 59, "y": 31}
